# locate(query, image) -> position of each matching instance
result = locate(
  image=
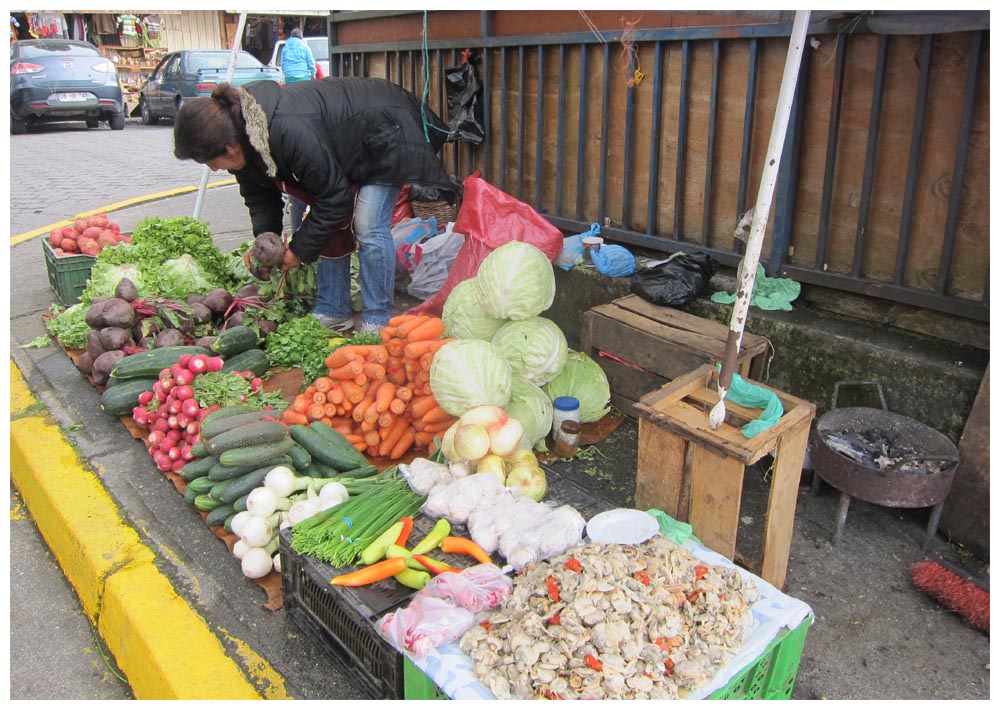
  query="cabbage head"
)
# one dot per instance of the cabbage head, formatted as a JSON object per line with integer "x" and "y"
{"x": 533, "y": 408}
{"x": 516, "y": 281}
{"x": 584, "y": 379}
{"x": 463, "y": 316}
{"x": 183, "y": 276}
{"x": 534, "y": 347}
{"x": 469, "y": 372}
{"x": 105, "y": 275}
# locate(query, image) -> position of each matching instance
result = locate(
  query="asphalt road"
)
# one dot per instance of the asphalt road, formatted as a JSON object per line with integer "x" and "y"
{"x": 875, "y": 636}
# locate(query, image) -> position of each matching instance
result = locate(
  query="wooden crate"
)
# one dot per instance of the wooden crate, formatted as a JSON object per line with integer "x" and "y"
{"x": 642, "y": 346}
{"x": 695, "y": 474}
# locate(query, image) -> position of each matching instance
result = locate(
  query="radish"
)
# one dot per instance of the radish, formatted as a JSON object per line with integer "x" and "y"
{"x": 182, "y": 421}
{"x": 183, "y": 376}
{"x": 198, "y": 364}
{"x": 145, "y": 398}
{"x": 192, "y": 430}
{"x": 215, "y": 363}
{"x": 177, "y": 465}
{"x": 183, "y": 392}
{"x": 155, "y": 438}
{"x": 189, "y": 407}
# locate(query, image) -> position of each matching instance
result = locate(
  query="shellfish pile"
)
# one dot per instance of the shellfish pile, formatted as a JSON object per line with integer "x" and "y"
{"x": 612, "y": 622}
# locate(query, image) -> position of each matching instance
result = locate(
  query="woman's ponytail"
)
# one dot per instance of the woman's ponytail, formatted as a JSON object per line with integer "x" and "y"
{"x": 205, "y": 126}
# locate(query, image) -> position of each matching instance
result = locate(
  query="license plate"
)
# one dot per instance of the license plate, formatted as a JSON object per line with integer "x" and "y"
{"x": 73, "y": 96}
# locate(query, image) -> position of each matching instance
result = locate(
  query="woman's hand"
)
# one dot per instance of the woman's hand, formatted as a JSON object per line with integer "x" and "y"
{"x": 289, "y": 260}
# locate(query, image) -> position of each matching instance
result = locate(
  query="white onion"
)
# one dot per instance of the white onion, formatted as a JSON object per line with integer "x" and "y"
{"x": 262, "y": 502}
{"x": 238, "y": 521}
{"x": 301, "y": 510}
{"x": 333, "y": 491}
{"x": 472, "y": 442}
{"x": 281, "y": 480}
{"x": 257, "y": 531}
{"x": 256, "y": 563}
{"x": 239, "y": 549}
{"x": 485, "y": 415}
{"x": 505, "y": 439}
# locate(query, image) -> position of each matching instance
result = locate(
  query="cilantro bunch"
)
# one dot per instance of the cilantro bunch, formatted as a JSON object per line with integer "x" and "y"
{"x": 300, "y": 342}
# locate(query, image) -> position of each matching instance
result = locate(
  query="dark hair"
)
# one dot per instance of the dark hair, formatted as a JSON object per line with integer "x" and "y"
{"x": 296, "y": 33}
{"x": 206, "y": 125}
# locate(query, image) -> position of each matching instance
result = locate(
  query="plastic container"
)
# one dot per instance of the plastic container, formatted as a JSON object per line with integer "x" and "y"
{"x": 564, "y": 409}
{"x": 590, "y": 245}
{"x": 567, "y": 440}
{"x": 68, "y": 275}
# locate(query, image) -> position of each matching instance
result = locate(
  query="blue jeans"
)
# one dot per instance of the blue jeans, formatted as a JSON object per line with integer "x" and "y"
{"x": 376, "y": 258}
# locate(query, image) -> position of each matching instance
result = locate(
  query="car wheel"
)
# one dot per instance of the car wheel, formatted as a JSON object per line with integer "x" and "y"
{"x": 18, "y": 127}
{"x": 148, "y": 119}
{"x": 93, "y": 123}
{"x": 117, "y": 121}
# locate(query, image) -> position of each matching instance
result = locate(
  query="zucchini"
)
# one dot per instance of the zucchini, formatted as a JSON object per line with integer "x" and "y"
{"x": 206, "y": 502}
{"x": 220, "y": 472}
{"x": 323, "y": 451}
{"x": 255, "y": 360}
{"x": 149, "y": 363}
{"x": 219, "y": 426}
{"x": 254, "y": 434}
{"x": 228, "y": 411}
{"x": 202, "y": 484}
{"x": 200, "y": 450}
{"x": 198, "y": 468}
{"x": 300, "y": 457}
{"x": 261, "y": 452}
{"x": 240, "y": 487}
{"x": 234, "y": 340}
{"x": 219, "y": 515}
{"x": 124, "y": 396}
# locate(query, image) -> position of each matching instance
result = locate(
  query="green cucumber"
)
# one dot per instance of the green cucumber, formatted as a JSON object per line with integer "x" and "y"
{"x": 240, "y": 504}
{"x": 202, "y": 484}
{"x": 323, "y": 451}
{"x": 234, "y": 340}
{"x": 300, "y": 457}
{"x": 255, "y": 360}
{"x": 197, "y": 468}
{"x": 228, "y": 524}
{"x": 189, "y": 495}
{"x": 334, "y": 437}
{"x": 124, "y": 396}
{"x": 206, "y": 502}
{"x": 220, "y": 472}
{"x": 149, "y": 363}
{"x": 241, "y": 486}
{"x": 261, "y": 452}
{"x": 228, "y": 411}
{"x": 200, "y": 450}
{"x": 219, "y": 515}
{"x": 254, "y": 434}
{"x": 212, "y": 429}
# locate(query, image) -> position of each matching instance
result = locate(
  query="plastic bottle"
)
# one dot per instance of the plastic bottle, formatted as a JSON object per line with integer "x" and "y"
{"x": 564, "y": 409}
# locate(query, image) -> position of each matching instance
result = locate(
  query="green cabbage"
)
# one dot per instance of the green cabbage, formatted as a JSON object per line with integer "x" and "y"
{"x": 183, "y": 276}
{"x": 584, "y": 379}
{"x": 469, "y": 372}
{"x": 533, "y": 408}
{"x": 534, "y": 347}
{"x": 516, "y": 281}
{"x": 105, "y": 275}
{"x": 463, "y": 316}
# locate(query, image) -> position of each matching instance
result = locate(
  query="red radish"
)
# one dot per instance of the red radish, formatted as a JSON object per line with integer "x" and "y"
{"x": 192, "y": 430}
{"x": 198, "y": 364}
{"x": 173, "y": 435}
{"x": 172, "y": 421}
{"x": 173, "y": 453}
{"x": 183, "y": 392}
{"x": 206, "y": 411}
{"x": 255, "y": 384}
{"x": 175, "y": 406}
{"x": 165, "y": 446}
{"x": 155, "y": 437}
{"x": 190, "y": 407}
{"x": 183, "y": 377}
{"x": 164, "y": 373}
{"x": 182, "y": 421}
{"x": 184, "y": 360}
{"x": 145, "y": 397}
{"x": 177, "y": 465}
{"x": 160, "y": 425}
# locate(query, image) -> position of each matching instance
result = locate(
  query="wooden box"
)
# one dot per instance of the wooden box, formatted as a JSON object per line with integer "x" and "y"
{"x": 695, "y": 473}
{"x": 642, "y": 346}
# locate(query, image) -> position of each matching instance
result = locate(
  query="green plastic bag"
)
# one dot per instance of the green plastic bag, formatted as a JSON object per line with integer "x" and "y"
{"x": 745, "y": 394}
{"x": 768, "y": 294}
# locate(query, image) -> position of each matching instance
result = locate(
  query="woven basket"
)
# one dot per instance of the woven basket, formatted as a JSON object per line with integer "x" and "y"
{"x": 441, "y": 211}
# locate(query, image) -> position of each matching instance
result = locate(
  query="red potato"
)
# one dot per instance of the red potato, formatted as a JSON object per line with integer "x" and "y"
{"x": 113, "y": 226}
{"x": 98, "y": 220}
{"x": 55, "y": 238}
{"x": 90, "y": 233}
{"x": 80, "y": 225}
{"x": 70, "y": 233}
{"x": 89, "y": 247}
{"x": 107, "y": 239}
{"x": 70, "y": 246}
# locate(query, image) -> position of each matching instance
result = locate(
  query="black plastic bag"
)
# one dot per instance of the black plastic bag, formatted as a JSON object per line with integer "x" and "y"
{"x": 675, "y": 282}
{"x": 465, "y": 108}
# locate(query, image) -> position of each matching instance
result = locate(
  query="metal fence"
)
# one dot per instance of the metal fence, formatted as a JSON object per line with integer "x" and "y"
{"x": 881, "y": 188}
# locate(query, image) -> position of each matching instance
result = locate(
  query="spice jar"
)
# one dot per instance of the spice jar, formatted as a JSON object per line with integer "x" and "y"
{"x": 568, "y": 439}
{"x": 563, "y": 409}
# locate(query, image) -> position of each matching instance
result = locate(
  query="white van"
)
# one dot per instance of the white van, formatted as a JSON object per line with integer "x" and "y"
{"x": 320, "y": 47}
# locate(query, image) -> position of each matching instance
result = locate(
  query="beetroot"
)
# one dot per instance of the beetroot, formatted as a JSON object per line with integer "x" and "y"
{"x": 94, "y": 345}
{"x": 126, "y": 290}
{"x": 113, "y": 338}
{"x": 269, "y": 249}
{"x": 218, "y": 300}
{"x": 103, "y": 365}
{"x": 168, "y": 337}
{"x": 118, "y": 312}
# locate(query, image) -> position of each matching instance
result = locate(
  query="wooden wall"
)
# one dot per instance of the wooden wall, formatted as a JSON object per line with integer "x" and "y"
{"x": 193, "y": 29}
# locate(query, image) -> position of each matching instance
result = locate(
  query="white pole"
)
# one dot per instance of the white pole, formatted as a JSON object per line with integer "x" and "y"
{"x": 769, "y": 176}
{"x": 233, "y": 54}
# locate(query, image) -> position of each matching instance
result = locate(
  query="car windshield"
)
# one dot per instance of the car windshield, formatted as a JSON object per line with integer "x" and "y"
{"x": 320, "y": 47}
{"x": 39, "y": 50}
{"x": 219, "y": 61}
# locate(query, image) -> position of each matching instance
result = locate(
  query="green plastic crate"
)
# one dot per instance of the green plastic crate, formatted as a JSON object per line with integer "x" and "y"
{"x": 68, "y": 275}
{"x": 770, "y": 677}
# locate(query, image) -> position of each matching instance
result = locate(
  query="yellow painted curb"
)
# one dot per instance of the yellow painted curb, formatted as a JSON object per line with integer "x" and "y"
{"x": 164, "y": 647}
{"x": 25, "y": 236}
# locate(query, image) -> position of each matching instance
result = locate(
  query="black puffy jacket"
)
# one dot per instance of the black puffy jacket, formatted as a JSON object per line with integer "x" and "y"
{"x": 329, "y": 136}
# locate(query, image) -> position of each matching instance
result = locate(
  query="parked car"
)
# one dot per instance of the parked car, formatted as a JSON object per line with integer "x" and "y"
{"x": 63, "y": 80}
{"x": 188, "y": 73}
{"x": 320, "y": 47}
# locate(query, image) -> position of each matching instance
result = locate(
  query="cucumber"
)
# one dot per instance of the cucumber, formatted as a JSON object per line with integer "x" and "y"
{"x": 198, "y": 468}
{"x": 255, "y": 360}
{"x": 200, "y": 450}
{"x": 219, "y": 515}
{"x": 206, "y": 502}
{"x": 234, "y": 340}
{"x": 323, "y": 451}
{"x": 228, "y": 411}
{"x": 189, "y": 495}
{"x": 149, "y": 363}
{"x": 254, "y": 434}
{"x": 124, "y": 396}
{"x": 262, "y": 452}
{"x": 219, "y": 426}
{"x": 241, "y": 486}
{"x": 202, "y": 484}
{"x": 300, "y": 457}
{"x": 240, "y": 504}
{"x": 220, "y": 472}
{"x": 216, "y": 490}
{"x": 228, "y": 524}
{"x": 333, "y": 436}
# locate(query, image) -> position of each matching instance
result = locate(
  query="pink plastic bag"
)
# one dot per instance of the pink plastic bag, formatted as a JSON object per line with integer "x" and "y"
{"x": 489, "y": 218}
{"x": 474, "y": 588}
{"x": 425, "y": 624}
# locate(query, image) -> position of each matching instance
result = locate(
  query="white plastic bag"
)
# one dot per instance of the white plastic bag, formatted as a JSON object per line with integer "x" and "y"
{"x": 434, "y": 257}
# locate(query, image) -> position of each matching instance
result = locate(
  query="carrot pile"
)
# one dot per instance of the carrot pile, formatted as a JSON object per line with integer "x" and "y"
{"x": 379, "y": 396}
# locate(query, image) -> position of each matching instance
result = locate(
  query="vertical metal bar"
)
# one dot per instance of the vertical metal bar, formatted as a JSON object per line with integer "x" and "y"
{"x": 520, "y": 122}
{"x": 748, "y": 110}
{"x": 913, "y": 164}
{"x": 413, "y": 75}
{"x": 560, "y": 129}
{"x": 706, "y": 200}
{"x": 654, "y": 148}
{"x": 539, "y": 127}
{"x": 503, "y": 119}
{"x": 602, "y": 184}
{"x": 627, "y": 167}
{"x": 581, "y": 153}
{"x": 874, "y": 123}
{"x": 961, "y": 154}
{"x": 682, "y": 138}
{"x": 826, "y": 204}
{"x": 399, "y": 67}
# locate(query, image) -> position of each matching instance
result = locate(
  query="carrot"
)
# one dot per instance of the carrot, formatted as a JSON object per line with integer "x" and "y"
{"x": 358, "y": 413}
{"x": 330, "y": 410}
{"x": 365, "y": 426}
{"x": 436, "y": 427}
{"x": 415, "y": 348}
{"x": 326, "y": 420}
{"x": 378, "y": 354}
{"x": 372, "y": 573}
{"x": 396, "y": 376}
{"x": 404, "y": 329}
{"x": 354, "y": 438}
{"x": 291, "y": 416}
{"x": 431, "y": 328}
{"x": 371, "y": 414}
{"x": 324, "y": 384}
{"x": 394, "y": 347}
{"x": 411, "y": 367}
{"x": 300, "y": 404}
{"x": 401, "y": 318}
{"x": 373, "y": 370}
{"x": 387, "y": 332}
{"x": 341, "y": 356}
{"x": 435, "y": 415}
{"x": 336, "y": 393}
{"x": 353, "y": 392}
{"x": 404, "y": 393}
{"x": 386, "y": 393}
{"x": 319, "y": 398}
{"x": 372, "y": 439}
{"x": 425, "y": 361}
{"x": 316, "y": 411}
{"x": 361, "y": 379}
{"x": 419, "y": 406}
{"x": 404, "y": 444}
{"x": 424, "y": 438}
{"x": 397, "y": 406}
{"x": 385, "y": 420}
{"x": 348, "y": 370}
{"x": 361, "y": 446}
{"x": 392, "y": 436}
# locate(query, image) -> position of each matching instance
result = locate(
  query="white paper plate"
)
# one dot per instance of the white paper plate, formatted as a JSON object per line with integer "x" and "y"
{"x": 625, "y": 526}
